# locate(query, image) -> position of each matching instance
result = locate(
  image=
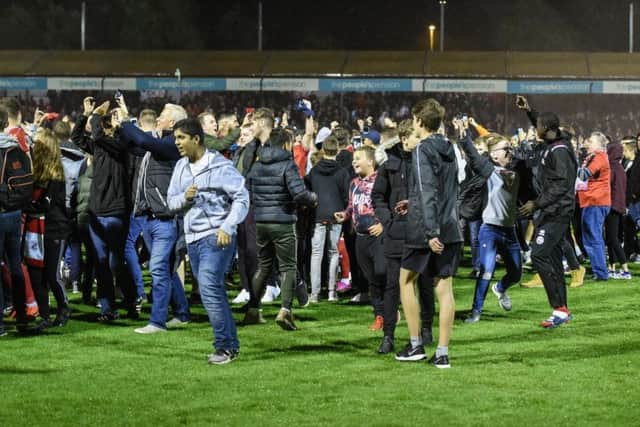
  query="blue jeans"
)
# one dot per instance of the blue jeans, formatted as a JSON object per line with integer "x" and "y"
{"x": 494, "y": 240}
{"x": 131, "y": 255}
{"x": 592, "y": 225}
{"x": 108, "y": 234}
{"x": 10, "y": 249}
{"x": 160, "y": 237}
{"x": 73, "y": 260}
{"x": 208, "y": 262}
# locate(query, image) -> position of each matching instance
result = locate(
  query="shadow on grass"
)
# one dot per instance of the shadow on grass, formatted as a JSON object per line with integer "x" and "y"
{"x": 25, "y": 371}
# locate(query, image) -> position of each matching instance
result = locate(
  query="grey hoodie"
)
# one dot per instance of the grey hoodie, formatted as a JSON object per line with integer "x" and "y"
{"x": 222, "y": 201}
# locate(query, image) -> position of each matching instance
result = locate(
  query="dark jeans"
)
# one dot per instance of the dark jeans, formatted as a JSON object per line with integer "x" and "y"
{"x": 275, "y": 241}
{"x": 630, "y": 239}
{"x": 497, "y": 240}
{"x": 247, "y": 251}
{"x": 109, "y": 235}
{"x": 474, "y": 231}
{"x": 613, "y": 225}
{"x": 49, "y": 278}
{"x": 358, "y": 281}
{"x": 568, "y": 251}
{"x": 10, "y": 249}
{"x": 370, "y": 254}
{"x": 546, "y": 254}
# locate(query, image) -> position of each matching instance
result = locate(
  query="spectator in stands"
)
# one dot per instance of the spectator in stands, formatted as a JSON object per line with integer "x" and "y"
{"x": 211, "y": 195}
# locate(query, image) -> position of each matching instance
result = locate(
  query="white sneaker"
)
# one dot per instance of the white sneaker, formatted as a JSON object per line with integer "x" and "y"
{"x": 314, "y": 298}
{"x": 276, "y": 291}
{"x": 149, "y": 329}
{"x": 175, "y": 322}
{"x": 270, "y": 294}
{"x": 242, "y": 298}
{"x": 333, "y": 297}
{"x": 362, "y": 297}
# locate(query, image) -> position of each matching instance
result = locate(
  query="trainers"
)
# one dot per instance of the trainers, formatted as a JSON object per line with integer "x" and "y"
{"x": 149, "y": 329}
{"x": 270, "y": 294}
{"x": 361, "y": 298}
{"x": 253, "y": 316}
{"x": 75, "y": 289}
{"x": 222, "y": 357}
{"x": 344, "y": 285}
{"x": 558, "y": 317}
{"x": 139, "y": 301}
{"x": 377, "y": 324}
{"x": 503, "y": 299}
{"x": 441, "y": 362}
{"x": 427, "y": 336}
{"x": 176, "y": 323}
{"x": 577, "y": 277}
{"x": 62, "y": 317}
{"x": 535, "y": 282}
{"x": 284, "y": 319}
{"x": 109, "y": 316}
{"x": 333, "y": 296}
{"x": 3, "y": 332}
{"x": 474, "y": 317}
{"x": 314, "y": 298}
{"x": 411, "y": 354}
{"x": 242, "y": 298}
{"x": 623, "y": 275}
{"x": 386, "y": 346}
{"x": 302, "y": 294}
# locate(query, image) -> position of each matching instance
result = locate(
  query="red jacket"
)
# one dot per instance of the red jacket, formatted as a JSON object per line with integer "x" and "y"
{"x": 598, "y": 192}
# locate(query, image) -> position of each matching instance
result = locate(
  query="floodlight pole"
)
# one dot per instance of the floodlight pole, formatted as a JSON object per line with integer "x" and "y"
{"x": 259, "y": 26}
{"x": 442, "y": 5}
{"x": 83, "y": 22}
{"x": 630, "y": 27}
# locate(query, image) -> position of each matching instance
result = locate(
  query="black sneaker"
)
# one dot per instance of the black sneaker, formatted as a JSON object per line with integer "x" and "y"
{"x": 63, "y": 317}
{"x": 427, "y": 336}
{"x": 222, "y": 357}
{"x": 441, "y": 362}
{"x": 411, "y": 354}
{"x": 108, "y": 317}
{"x": 386, "y": 346}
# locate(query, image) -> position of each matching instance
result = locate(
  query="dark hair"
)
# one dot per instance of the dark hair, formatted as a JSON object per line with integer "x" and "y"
{"x": 62, "y": 130}
{"x": 191, "y": 127}
{"x": 279, "y": 137}
{"x": 429, "y": 113}
{"x": 12, "y": 106}
{"x": 405, "y": 128}
{"x": 4, "y": 117}
{"x": 264, "y": 113}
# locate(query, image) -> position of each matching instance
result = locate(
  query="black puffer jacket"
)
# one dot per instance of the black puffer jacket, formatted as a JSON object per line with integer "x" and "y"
{"x": 276, "y": 187}
{"x": 331, "y": 183}
{"x": 390, "y": 188}
{"x": 433, "y": 194}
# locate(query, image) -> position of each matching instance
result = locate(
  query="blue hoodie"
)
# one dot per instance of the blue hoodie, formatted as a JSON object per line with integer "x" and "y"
{"x": 221, "y": 202}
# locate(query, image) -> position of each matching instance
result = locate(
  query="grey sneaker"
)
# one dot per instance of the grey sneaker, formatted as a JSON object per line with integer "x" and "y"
{"x": 474, "y": 317}
{"x": 503, "y": 299}
{"x": 176, "y": 323}
{"x": 253, "y": 316}
{"x": 314, "y": 298}
{"x": 3, "y": 332}
{"x": 149, "y": 329}
{"x": 222, "y": 357}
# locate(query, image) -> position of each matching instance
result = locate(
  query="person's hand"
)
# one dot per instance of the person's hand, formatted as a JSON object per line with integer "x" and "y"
{"x": 224, "y": 239}
{"x": 522, "y": 103}
{"x": 473, "y": 122}
{"x": 38, "y": 117}
{"x": 369, "y": 121}
{"x": 285, "y": 120}
{"x": 334, "y": 124}
{"x": 102, "y": 109}
{"x": 191, "y": 192}
{"x": 124, "y": 111}
{"x": 360, "y": 123}
{"x": 309, "y": 126}
{"x": 88, "y": 105}
{"x": 116, "y": 118}
{"x": 339, "y": 217}
{"x": 402, "y": 207}
{"x": 528, "y": 208}
{"x": 376, "y": 230}
{"x": 436, "y": 245}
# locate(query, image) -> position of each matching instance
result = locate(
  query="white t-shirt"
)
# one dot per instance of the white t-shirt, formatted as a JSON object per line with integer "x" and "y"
{"x": 199, "y": 165}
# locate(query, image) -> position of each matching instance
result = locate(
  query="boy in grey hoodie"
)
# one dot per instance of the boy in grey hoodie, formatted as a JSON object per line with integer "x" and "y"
{"x": 210, "y": 193}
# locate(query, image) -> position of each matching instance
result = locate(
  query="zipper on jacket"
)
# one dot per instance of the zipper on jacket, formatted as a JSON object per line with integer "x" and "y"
{"x": 160, "y": 195}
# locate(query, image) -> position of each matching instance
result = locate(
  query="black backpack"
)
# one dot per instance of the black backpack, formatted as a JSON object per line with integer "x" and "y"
{"x": 16, "y": 179}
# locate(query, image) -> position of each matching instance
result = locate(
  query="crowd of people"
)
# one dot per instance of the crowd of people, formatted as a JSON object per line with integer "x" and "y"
{"x": 371, "y": 209}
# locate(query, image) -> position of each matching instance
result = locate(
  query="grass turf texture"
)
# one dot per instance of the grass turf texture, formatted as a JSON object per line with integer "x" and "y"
{"x": 506, "y": 370}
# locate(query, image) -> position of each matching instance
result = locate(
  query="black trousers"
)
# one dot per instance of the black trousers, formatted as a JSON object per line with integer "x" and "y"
{"x": 630, "y": 239}
{"x": 568, "y": 251}
{"x": 612, "y": 225}
{"x": 392, "y": 295}
{"x": 247, "y": 251}
{"x": 546, "y": 254}
{"x": 370, "y": 255}
{"x": 358, "y": 281}
{"x": 49, "y": 278}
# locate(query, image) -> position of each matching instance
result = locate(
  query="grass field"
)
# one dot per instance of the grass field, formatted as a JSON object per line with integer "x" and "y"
{"x": 505, "y": 370}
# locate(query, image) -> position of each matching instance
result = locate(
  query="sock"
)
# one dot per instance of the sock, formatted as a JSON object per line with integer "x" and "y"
{"x": 416, "y": 341}
{"x": 442, "y": 351}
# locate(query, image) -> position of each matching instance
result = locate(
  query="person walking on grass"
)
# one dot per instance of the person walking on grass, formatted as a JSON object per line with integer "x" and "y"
{"x": 210, "y": 193}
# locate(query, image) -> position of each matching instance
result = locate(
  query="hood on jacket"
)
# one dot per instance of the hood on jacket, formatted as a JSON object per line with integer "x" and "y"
{"x": 268, "y": 154}
{"x": 73, "y": 154}
{"x": 7, "y": 141}
{"x": 614, "y": 151}
{"x": 327, "y": 167}
{"x": 443, "y": 147}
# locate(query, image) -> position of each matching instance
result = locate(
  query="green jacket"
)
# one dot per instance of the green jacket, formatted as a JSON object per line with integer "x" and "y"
{"x": 222, "y": 144}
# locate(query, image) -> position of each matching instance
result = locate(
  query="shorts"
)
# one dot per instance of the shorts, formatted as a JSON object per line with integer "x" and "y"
{"x": 428, "y": 263}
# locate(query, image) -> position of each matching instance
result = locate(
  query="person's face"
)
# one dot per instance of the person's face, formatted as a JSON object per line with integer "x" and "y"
{"x": 209, "y": 125}
{"x": 246, "y": 134}
{"x": 187, "y": 145}
{"x": 628, "y": 151}
{"x": 540, "y": 130}
{"x": 164, "y": 120}
{"x": 361, "y": 165}
{"x": 411, "y": 142}
{"x": 502, "y": 153}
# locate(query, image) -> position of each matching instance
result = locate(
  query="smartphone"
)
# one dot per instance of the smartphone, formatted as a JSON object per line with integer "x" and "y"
{"x": 520, "y": 101}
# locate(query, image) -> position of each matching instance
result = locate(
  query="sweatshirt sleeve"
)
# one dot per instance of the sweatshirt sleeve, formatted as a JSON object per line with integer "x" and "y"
{"x": 222, "y": 144}
{"x": 296, "y": 186}
{"x": 561, "y": 177}
{"x": 165, "y": 148}
{"x": 175, "y": 194}
{"x": 479, "y": 164}
{"x": 233, "y": 185}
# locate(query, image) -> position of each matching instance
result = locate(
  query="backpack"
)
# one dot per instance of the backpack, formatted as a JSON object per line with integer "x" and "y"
{"x": 16, "y": 179}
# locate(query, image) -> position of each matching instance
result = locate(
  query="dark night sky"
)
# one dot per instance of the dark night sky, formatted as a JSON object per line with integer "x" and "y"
{"x": 545, "y": 25}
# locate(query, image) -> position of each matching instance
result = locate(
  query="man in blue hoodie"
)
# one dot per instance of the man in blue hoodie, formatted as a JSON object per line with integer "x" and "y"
{"x": 210, "y": 194}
